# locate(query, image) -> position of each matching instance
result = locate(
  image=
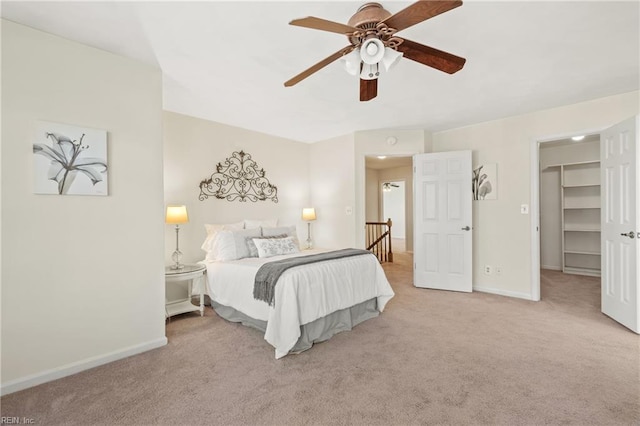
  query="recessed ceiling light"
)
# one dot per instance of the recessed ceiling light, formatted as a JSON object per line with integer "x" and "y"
{"x": 382, "y": 157}
{"x": 577, "y": 138}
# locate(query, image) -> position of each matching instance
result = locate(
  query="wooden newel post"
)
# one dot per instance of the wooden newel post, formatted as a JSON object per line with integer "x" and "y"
{"x": 389, "y": 223}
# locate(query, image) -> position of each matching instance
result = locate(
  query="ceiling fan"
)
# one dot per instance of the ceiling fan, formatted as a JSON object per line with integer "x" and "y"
{"x": 387, "y": 186}
{"x": 373, "y": 42}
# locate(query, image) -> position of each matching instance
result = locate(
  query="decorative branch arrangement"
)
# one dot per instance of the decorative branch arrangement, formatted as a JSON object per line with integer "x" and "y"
{"x": 238, "y": 178}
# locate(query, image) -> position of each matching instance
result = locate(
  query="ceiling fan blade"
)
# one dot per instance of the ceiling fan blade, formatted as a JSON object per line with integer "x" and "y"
{"x": 429, "y": 56}
{"x": 323, "y": 24}
{"x": 323, "y": 63}
{"x": 368, "y": 89}
{"x": 420, "y": 11}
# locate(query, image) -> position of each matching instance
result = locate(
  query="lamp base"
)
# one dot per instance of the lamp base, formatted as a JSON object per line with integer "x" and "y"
{"x": 309, "y": 242}
{"x": 176, "y": 258}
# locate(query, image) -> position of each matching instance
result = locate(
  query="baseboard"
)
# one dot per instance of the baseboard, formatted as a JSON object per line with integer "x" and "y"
{"x": 552, "y": 267}
{"x": 76, "y": 367}
{"x": 500, "y": 292}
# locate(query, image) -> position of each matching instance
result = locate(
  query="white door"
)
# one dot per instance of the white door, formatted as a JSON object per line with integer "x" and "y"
{"x": 620, "y": 223}
{"x": 442, "y": 220}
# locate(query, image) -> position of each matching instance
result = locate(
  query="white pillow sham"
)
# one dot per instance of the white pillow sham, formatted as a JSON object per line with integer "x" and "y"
{"x": 231, "y": 245}
{"x": 213, "y": 229}
{"x": 268, "y": 247}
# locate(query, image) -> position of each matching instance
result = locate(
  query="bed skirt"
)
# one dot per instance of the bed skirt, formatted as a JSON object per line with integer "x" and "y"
{"x": 314, "y": 332}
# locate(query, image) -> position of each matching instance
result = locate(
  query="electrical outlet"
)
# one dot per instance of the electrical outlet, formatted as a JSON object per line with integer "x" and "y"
{"x": 498, "y": 270}
{"x": 348, "y": 210}
{"x": 487, "y": 269}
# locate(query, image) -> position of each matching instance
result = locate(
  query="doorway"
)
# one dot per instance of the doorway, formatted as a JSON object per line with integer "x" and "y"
{"x": 586, "y": 187}
{"x": 393, "y": 207}
{"x": 389, "y": 168}
{"x": 570, "y": 205}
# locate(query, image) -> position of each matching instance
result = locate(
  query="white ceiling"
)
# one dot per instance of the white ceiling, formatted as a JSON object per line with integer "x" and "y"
{"x": 227, "y": 61}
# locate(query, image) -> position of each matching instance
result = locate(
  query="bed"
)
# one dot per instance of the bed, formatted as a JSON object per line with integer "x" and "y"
{"x": 312, "y": 302}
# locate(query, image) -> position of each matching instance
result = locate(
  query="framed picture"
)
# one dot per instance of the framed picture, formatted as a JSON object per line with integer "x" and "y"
{"x": 485, "y": 182}
{"x": 69, "y": 160}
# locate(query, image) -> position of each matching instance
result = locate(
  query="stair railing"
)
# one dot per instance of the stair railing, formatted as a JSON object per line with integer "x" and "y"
{"x": 379, "y": 240}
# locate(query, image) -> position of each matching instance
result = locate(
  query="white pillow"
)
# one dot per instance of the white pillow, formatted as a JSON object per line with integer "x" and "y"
{"x": 231, "y": 245}
{"x": 212, "y": 230}
{"x": 251, "y": 224}
{"x": 289, "y": 231}
{"x": 268, "y": 247}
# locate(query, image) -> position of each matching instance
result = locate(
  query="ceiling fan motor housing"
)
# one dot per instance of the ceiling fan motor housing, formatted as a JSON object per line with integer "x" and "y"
{"x": 367, "y": 17}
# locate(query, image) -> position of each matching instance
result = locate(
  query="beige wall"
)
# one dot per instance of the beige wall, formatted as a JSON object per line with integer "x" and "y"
{"x": 192, "y": 149}
{"x": 332, "y": 183}
{"x": 372, "y": 188}
{"x": 550, "y": 203}
{"x": 82, "y": 276}
{"x": 502, "y": 235}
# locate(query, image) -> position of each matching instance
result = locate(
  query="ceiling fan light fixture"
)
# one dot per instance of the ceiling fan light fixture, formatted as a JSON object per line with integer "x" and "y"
{"x": 351, "y": 62}
{"x": 372, "y": 51}
{"x": 391, "y": 58}
{"x": 369, "y": 71}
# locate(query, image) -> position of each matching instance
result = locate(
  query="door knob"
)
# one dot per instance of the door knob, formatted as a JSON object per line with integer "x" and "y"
{"x": 467, "y": 228}
{"x": 629, "y": 234}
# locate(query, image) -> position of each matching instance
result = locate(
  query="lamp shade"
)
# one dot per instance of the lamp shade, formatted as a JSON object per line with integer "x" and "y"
{"x": 308, "y": 213}
{"x": 176, "y": 215}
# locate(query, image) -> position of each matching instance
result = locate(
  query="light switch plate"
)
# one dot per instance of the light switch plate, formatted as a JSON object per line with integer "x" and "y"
{"x": 524, "y": 208}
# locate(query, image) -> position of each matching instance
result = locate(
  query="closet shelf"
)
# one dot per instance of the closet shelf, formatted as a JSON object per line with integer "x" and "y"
{"x": 581, "y": 208}
{"x": 594, "y": 272}
{"x": 581, "y": 186}
{"x": 572, "y": 164}
{"x": 588, "y": 253}
{"x": 580, "y": 216}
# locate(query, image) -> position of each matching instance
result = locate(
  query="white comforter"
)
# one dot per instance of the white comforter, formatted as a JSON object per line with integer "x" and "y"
{"x": 303, "y": 294}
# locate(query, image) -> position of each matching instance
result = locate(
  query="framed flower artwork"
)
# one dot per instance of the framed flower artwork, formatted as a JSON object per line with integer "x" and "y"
{"x": 69, "y": 160}
{"x": 485, "y": 182}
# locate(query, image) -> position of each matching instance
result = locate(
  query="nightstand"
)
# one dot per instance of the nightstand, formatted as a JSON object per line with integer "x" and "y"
{"x": 189, "y": 273}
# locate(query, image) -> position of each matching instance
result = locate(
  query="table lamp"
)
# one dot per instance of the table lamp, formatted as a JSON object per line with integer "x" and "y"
{"x": 175, "y": 216}
{"x": 309, "y": 215}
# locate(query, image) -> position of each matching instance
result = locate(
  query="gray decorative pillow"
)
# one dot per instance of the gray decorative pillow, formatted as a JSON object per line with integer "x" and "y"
{"x": 290, "y": 231}
{"x": 253, "y": 250}
{"x": 268, "y": 247}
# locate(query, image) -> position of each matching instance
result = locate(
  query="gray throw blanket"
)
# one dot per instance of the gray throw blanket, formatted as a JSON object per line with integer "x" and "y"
{"x": 267, "y": 276}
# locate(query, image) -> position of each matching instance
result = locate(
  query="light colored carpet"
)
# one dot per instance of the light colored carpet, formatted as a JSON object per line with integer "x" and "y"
{"x": 432, "y": 357}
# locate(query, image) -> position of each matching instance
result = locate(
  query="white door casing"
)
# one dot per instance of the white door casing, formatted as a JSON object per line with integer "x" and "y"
{"x": 620, "y": 222}
{"x": 442, "y": 221}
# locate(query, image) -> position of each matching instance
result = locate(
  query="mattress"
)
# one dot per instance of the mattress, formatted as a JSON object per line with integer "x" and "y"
{"x": 303, "y": 294}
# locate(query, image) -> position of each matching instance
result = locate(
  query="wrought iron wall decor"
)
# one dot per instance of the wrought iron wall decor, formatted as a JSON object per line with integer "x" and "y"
{"x": 238, "y": 178}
